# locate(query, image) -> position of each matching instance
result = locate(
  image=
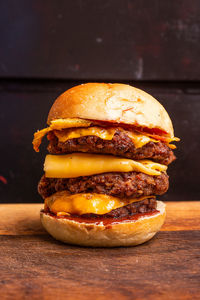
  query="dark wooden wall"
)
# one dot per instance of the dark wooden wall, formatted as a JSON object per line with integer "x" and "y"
{"x": 50, "y": 46}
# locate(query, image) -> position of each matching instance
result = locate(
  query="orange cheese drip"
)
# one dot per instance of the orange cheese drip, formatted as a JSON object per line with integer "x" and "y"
{"x": 138, "y": 139}
{"x": 66, "y": 129}
{"x": 63, "y": 203}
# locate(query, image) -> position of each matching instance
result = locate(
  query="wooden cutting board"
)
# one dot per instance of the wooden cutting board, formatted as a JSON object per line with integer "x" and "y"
{"x": 35, "y": 266}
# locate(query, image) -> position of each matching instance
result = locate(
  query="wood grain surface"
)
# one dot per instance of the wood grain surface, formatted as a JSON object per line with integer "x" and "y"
{"x": 35, "y": 266}
{"x": 23, "y": 219}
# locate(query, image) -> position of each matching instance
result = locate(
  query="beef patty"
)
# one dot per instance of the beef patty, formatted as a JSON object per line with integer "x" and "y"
{"x": 146, "y": 205}
{"x": 120, "y": 145}
{"x": 129, "y": 184}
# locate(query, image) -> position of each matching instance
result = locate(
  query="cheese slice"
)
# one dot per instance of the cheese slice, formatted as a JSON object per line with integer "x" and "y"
{"x": 83, "y": 164}
{"x": 138, "y": 139}
{"x": 101, "y": 132}
{"x": 66, "y": 129}
{"x": 63, "y": 203}
{"x": 64, "y": 135}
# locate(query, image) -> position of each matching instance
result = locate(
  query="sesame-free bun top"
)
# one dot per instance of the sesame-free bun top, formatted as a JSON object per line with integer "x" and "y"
{"x": 119, "y": 103}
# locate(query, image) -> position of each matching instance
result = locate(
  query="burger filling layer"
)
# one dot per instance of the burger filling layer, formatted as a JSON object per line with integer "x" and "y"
{"x": 108, "y": 172}
{"x": 127, "y": 184}
{"x": 94, "y": 205}
{"x": 111, "y": 141}
{"x": 82, "y": 164}
{"x": 145, "y": 206}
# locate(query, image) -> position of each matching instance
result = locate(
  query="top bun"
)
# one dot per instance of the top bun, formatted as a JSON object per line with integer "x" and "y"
{"x": 119, "y": 103}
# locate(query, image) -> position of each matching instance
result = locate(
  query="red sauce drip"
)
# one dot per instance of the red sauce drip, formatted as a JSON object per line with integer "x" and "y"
{"x": 105, "y": 221}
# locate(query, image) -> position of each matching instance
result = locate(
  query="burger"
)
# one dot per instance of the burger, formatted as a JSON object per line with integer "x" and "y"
{"x": 108, "y": 152}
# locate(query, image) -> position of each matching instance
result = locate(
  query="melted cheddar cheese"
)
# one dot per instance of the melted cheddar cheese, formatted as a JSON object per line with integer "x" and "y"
{"x": 66, "y": 129}
{"x": 83, "y": 164}
{"x": 138, "y": 139}
{"x": 58, "y": 124}
{"x": 63, "y": 203}
{"x": 103, "y": 133}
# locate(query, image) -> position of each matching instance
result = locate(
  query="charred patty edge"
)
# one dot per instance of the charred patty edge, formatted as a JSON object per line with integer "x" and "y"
{"x": 120, "y": 145}
{"x": 118, "y": 184}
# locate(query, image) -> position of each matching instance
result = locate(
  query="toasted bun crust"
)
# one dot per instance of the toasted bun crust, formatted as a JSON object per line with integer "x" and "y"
{"x": 118, "y": 103}
{"x": 129, "y": 233}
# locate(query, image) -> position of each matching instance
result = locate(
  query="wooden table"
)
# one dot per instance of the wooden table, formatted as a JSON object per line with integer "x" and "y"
{"x": 35, "y": 266}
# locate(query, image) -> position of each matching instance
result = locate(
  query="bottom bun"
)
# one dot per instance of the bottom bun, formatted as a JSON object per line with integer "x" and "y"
{"x": 125, "y": 233}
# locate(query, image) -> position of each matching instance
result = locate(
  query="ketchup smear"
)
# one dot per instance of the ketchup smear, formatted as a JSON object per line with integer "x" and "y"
{"x": 103, "y": 220}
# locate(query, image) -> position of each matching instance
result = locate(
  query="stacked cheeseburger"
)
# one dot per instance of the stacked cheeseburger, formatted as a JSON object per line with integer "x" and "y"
{"x": 109, "y": 147}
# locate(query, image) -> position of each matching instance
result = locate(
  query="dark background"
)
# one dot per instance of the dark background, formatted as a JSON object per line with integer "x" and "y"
{"x": 50, "y": 46}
